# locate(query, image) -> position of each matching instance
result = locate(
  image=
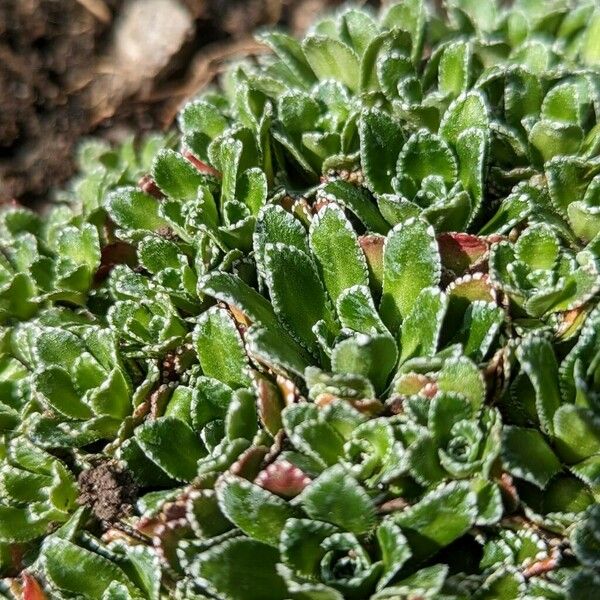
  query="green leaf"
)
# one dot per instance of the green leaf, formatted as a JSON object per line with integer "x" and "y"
{"x": 358, "y": 201}
{"x": 176, "y": 176}
{"x": 82, "y": 246}
{"x": 57, "y": 347}
{"x": 335, "y": 246}
{"x": 290, "y": 52}
{"x": 539, "y": 363}
{"x": 231, "y": 289}
{"x": 220, "y": 348}
{"x": 420, "y": 331}
{"x": 411, "y": 263}
{"x": 132, "y": 209}
{"x": 20, "y": 524}
{"x": 395, "y": 551}
{"x": 301, "y": 545}
{"x": 78, "y": 571}
{"x": 577, "y": 431}
{"x": 440, "y": 517}
{"x": 257, "y": 512}
{"x": 241, "y": 421}
{"x": 56, "y": 386}
{"x": 409, "y": 16}
{"x": 426, "y": 154}
{"x": 454, "y": 70}
{"x": 335, "y": 497}
{"x": 373, "y": 356}
{"x": 562, "y": 103}
{"x": 276, "y": 350}
{"x": 202, "y": 116}
{"x": 462, "y": 376}
{"x": 553, "y": 138}
{"x": 241, "y": 569}
{"x": 468, "y": 110}
{"x": 229, "y": 158}
{"x": 252, "y": 189}
{"x": 471, "y": 149}
{"x": 332, "y": 59}
{"x": 276, "y": 225}
{"x": 292, "y": 275}
{"x": 381, "y": 139}
{"x": 356, "y": 311}
{"x": 527, "y": 455}
{"x": 172, "y": 445}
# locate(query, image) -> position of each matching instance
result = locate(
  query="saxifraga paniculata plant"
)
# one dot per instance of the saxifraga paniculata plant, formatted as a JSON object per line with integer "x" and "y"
{"x": 344, "y": 342}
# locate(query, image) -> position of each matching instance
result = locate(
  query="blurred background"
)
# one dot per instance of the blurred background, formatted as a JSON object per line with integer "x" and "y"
{"x": 74, "y": 68}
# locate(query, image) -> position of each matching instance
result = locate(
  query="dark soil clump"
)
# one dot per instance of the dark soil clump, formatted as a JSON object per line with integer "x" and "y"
{"x": 109, "y": 490}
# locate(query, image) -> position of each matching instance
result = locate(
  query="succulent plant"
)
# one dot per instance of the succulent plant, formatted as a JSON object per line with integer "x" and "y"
{"x": 341, "y": 340}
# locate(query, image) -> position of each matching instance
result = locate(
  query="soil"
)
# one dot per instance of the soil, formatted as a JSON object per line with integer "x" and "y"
{"x": 73, "y": 68}
{"x": 109, "y": 490}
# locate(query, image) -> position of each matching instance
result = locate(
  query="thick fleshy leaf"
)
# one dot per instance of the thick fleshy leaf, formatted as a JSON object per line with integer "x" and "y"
{"x": 440, "y": 517}
{"x": 172, "y": 445}
{"x": 374, "y": 357}
{"x": 335, "y": 246}
{"x": 358, "y": 201}
{"x": 528, "y": 456}
{"x": 291, "y": 274}
{"x": 539, "y": 362}
{"x": 335, "y": 497}
{"x": 70, "y": 569}
{"x": 411, "y": 263}
{"x": 380, "y": 143}
{"x": 420, "y": 330}
{"x": 133, "y": 209}
{"x": 394, "y": 551}
{"x": 254, "y": 510}
{"x": 468, "y": 110}
{"x": 356, "y": 310}
{"x": 175, "y": 176}
{"x": 241, "y": 569}
{"x": 332, "y": 59}
{"x": 426, "y": 154}
{"x": 220, "y": 348}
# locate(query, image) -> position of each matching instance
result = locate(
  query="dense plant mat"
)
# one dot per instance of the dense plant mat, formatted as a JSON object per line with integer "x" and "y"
{"x": 341, "y": 339}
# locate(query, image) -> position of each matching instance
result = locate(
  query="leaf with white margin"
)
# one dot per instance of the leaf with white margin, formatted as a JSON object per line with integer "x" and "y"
{"x": 292, "y": 275}
{"x": 335, "y": 245}
{"x": 411, "y": 263}
{"x": 373, "y": 356}
{"x": 468, "y": 110}
{"x": 336, "y": 497}
{"x": 332, "y": 59}
{"x": 420, "y": 330}
{"x": 538, "y": 361}
{"x": 527, "y": 455}
{"x": 176, "y": 177}
{"x": 220, "y": 348}
{"x": 381, "y": 139}
{"x": 395, "y": 551}
{"x": 241, "y": 569}
{"x": 439, "y": 518}
{"x": 78, "y": 571}
{"x": 257, "y": 512}
{"x": 172, "y": 445}
{"x": 356, "y": 311}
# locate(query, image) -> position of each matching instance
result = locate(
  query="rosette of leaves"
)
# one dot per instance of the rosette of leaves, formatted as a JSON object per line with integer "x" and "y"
{"x": 102, "y": 167}
{"x": 45, "y": 261}
{"x": 347, "y": 333}
{"x": 67, "y": 385}
{"x": 547, "y": 417}
{"x": 540, "y": 275}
